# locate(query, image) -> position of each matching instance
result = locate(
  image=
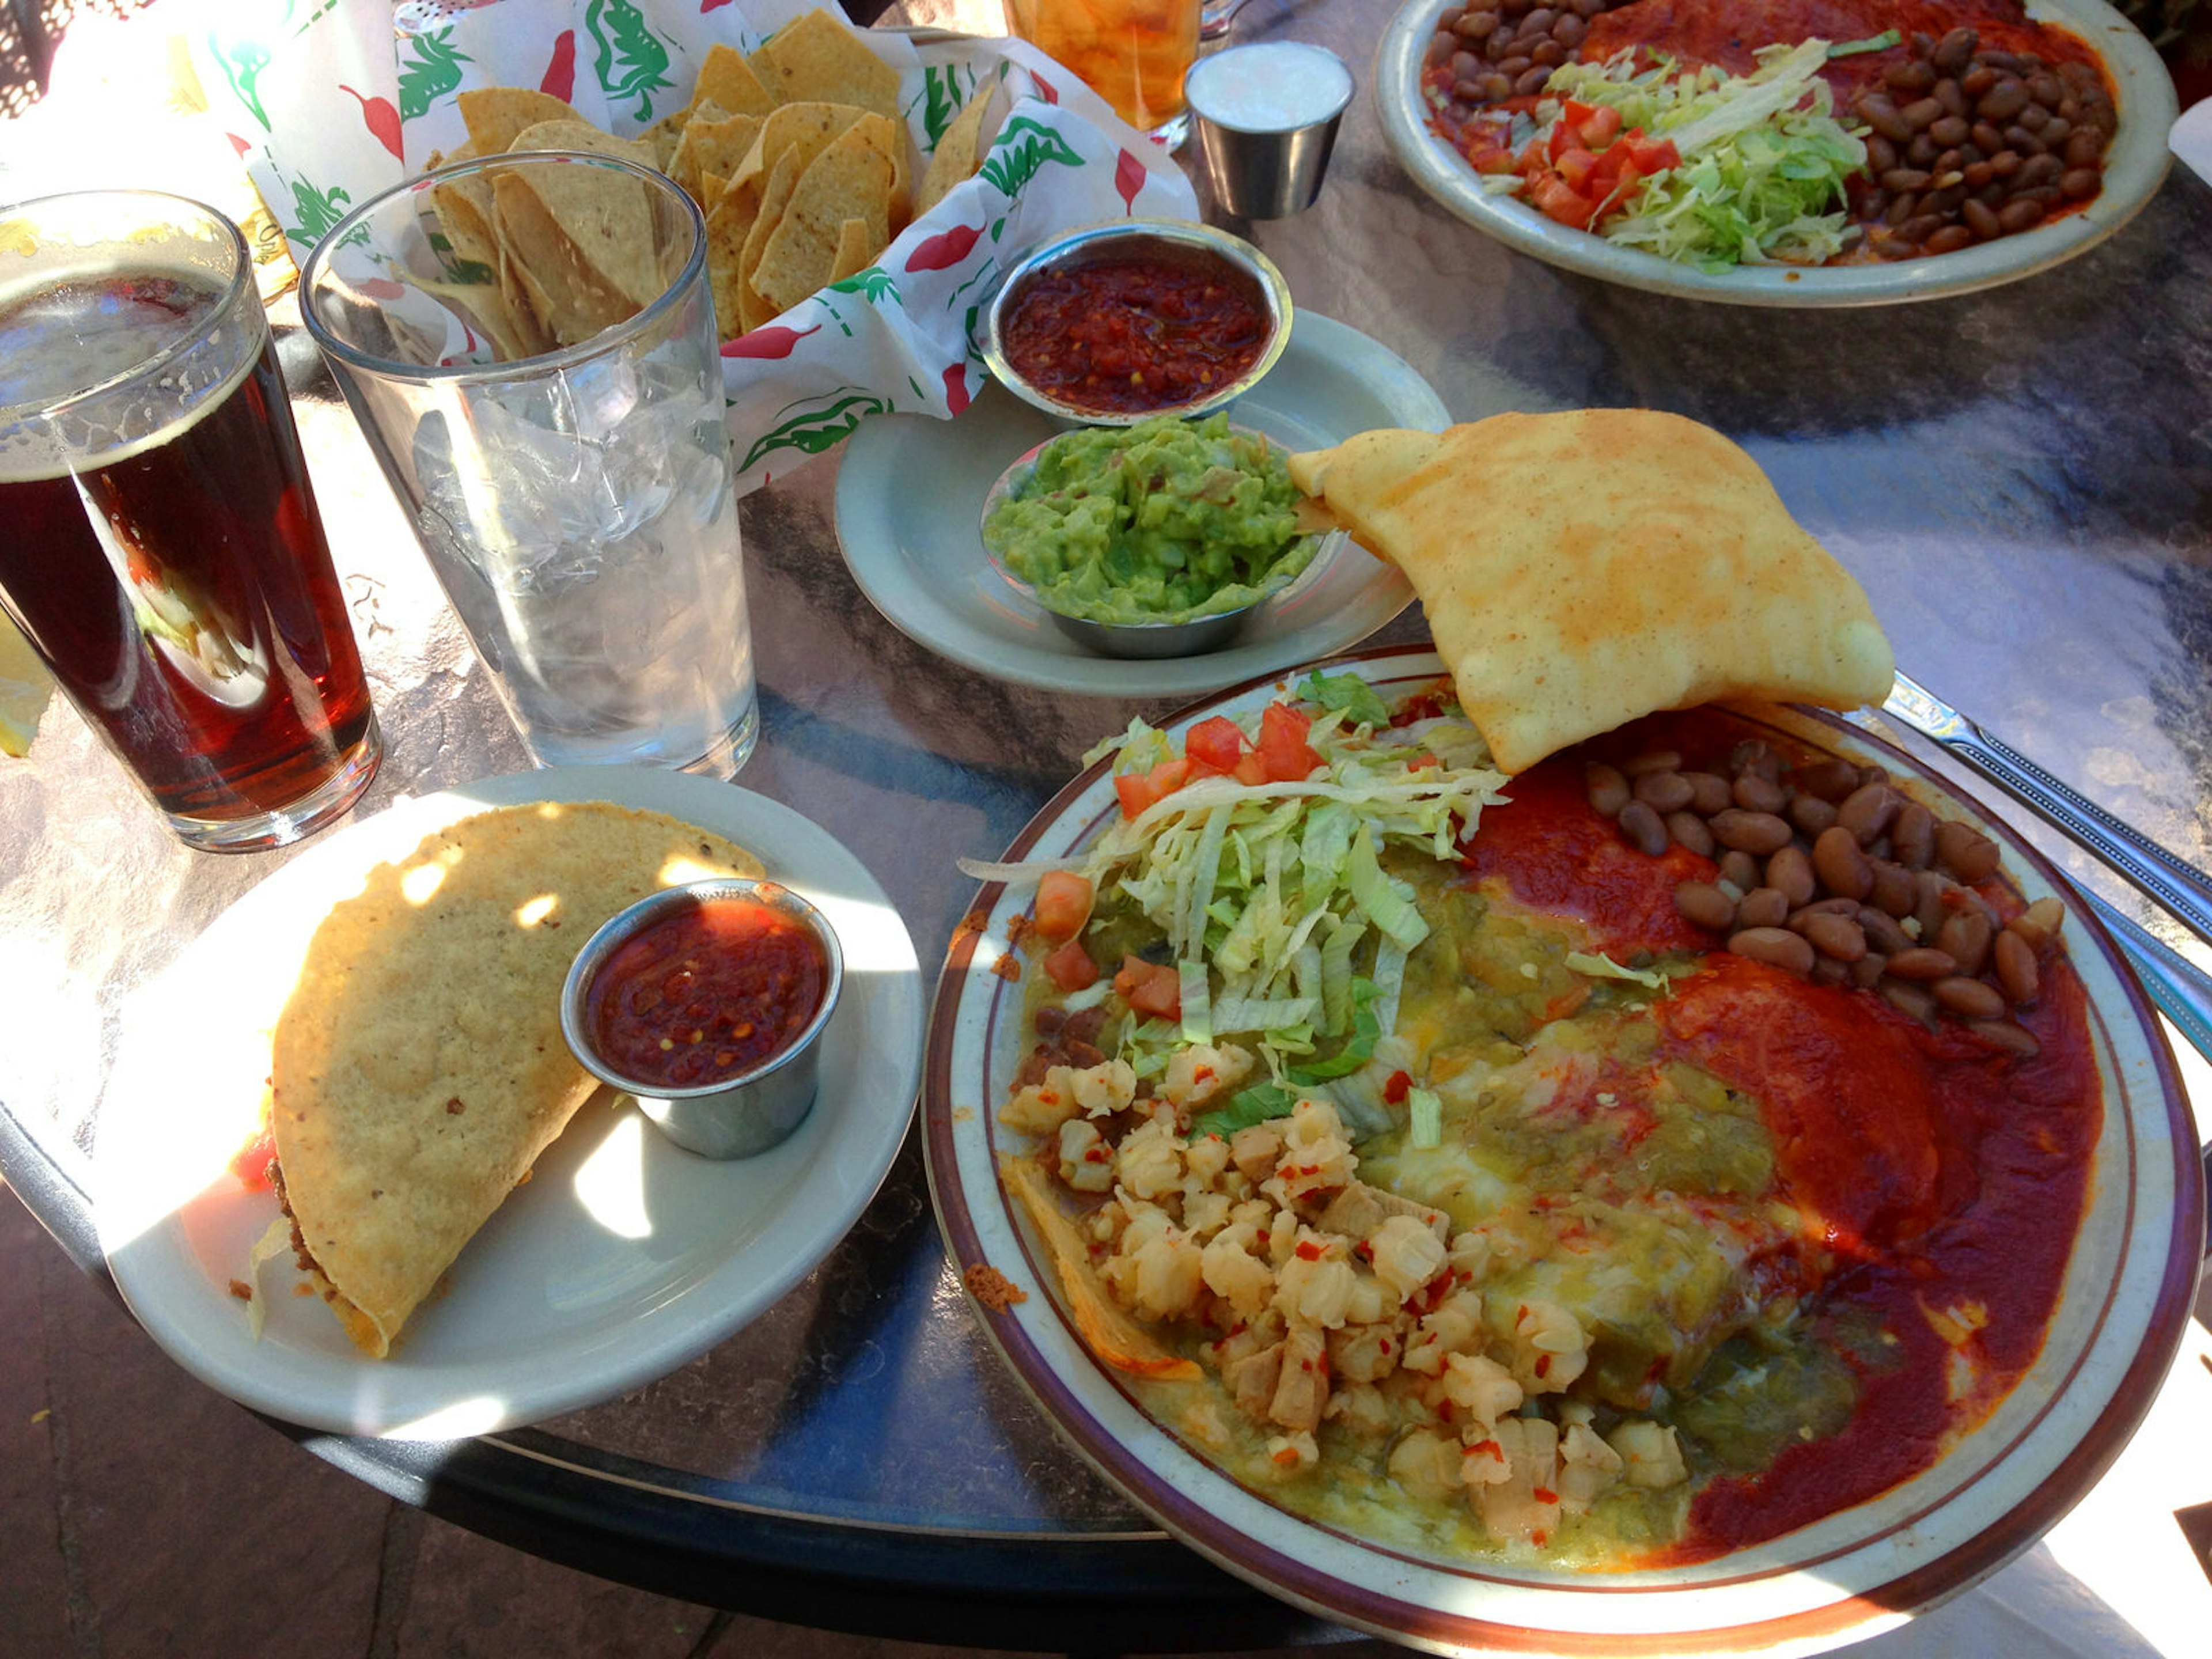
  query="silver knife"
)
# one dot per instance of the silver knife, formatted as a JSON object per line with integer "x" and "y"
{"x": 2164, "y": 878}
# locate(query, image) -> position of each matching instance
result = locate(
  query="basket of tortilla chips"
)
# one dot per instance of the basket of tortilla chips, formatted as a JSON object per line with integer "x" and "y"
{"x": 862, "y": 189}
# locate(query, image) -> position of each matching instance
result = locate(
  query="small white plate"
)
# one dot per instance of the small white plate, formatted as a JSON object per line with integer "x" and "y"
{"x": 910, "y": 497}
{"x": 2134, "y": 167}
{"x": 621, "y": 1259}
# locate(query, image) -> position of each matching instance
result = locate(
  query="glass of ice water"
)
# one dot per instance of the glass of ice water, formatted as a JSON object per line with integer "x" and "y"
{"x": 529, "y": 343}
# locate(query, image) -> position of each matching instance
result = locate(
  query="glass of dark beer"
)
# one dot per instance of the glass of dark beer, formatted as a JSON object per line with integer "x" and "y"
{"x": 159, "y": 542}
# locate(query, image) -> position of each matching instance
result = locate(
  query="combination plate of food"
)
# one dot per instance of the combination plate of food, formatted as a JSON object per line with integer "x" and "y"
{"x": 350, "y": 1173}
{"x": 1819, "y": 153}
{"x": 1552, "y": 1144}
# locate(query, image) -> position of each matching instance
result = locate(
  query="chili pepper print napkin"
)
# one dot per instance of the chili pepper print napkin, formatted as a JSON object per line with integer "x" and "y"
{"x": 330, "y": 102}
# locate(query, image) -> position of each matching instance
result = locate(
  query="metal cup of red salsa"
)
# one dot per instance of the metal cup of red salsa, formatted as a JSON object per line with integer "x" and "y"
{"x": 1117, "y": 322}
{"x": 705, "y": 1002}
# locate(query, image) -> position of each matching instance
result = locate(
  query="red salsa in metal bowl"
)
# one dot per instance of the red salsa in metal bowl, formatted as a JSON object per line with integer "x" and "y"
{"x": 1136, "y": 332}
{"x": 707, "y": 993}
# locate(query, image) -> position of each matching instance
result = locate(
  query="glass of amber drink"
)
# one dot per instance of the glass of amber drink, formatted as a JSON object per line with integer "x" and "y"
{"x": 162, "y": 551}
{"x": 1133, "y": 53}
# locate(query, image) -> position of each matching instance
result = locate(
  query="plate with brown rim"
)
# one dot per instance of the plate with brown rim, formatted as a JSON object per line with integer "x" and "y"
{"x": 2118, "y": 1312}
{"x": 2134, "y": 167}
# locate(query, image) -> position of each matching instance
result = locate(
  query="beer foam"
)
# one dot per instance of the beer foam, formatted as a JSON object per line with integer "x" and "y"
{"x": 67, "y": 332}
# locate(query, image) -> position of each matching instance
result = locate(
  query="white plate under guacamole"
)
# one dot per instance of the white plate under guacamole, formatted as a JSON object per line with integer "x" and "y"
{"x": 910, "y": 497}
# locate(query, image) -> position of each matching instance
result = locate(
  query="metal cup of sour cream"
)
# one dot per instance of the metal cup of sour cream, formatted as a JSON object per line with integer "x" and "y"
{"x": 1266, "y": 116}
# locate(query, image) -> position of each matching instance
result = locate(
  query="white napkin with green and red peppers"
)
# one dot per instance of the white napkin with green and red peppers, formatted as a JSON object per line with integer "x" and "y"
{"x": 331, "y": 102}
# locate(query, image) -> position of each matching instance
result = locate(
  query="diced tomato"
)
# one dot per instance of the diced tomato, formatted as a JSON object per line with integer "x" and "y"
{"x": 1150, "y": 988}
{"x": 1215, "y": 744}
{"x": 1650, "y": 157}
{"x": 1071, "y": 967}
{"x": 1063, "y": 905}
{"x": 1250, "y": 768}
{"x": 1597, "y": 127}
{"x": 1141, "y": 790}
{"x": 1574, "y": 168}
{"x": 1395, "y": 1090}
{"x": 1556, "y": 199}
{"x": 1288, "y": 757}
{"x": 250, "y": 1163}
{"x": 1491, "y": 159}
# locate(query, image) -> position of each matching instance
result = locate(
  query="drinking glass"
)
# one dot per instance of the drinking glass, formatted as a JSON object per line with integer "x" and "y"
{"x": 1133, "y": 53}
{"x": 576, "y": 505}
{"x": 162, "y": 551}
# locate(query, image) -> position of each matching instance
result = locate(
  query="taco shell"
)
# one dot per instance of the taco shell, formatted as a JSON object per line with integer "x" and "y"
{"x": 418, "y": 1068}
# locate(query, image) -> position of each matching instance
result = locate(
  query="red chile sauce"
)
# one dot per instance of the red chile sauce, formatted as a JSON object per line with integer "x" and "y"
{"x": 1134, "y": 333}
{"x": 706, "y": 992}
{"x": 1948, "y": 1172}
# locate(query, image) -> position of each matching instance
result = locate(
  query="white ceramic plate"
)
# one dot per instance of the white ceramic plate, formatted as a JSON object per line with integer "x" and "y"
{"x": 621, "y": 1259}
{"x": 2124, "y": 1304}
{"x": 2134, "y": 165}
{"x": 910, "y": 494}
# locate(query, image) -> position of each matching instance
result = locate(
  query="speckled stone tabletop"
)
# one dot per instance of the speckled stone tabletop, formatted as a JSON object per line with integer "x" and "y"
{"x": 2021, "y": 477}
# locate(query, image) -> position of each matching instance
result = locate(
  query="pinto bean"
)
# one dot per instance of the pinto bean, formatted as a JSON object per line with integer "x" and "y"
{"x": 1705, "y": 904}
{"x": 1893, "y": 892}
{"x": 1868, "y": 811}
{"x": 1969, "y": 997}
{"x": 1691, "y": 831}
{"x": 1762, "y": 907}
{"x": 1965, "y": 852}
{"x": 1644, "y": 828}
{"x": 1842, "y": 867}
{"x": 1829, "y": 780}
{"x": 1836, "y": 936}
{"x": 1607, "y": 791}
{"x": 1755, "y": 793}
{"x": 1651, "y": 760}
{"x": 2039, "y": 923}
{"x": 1910, "y": 1001}
{"x": 1776, "y": 946}
{"x": 1759, "y": 834}
{"x": 1790, "y": 873}
{"x": 1882, "y": 931}
{"x": 1922, "y": 963}
{"x": 1811, "y": 815}
{"x": 1739, "y": 870}
{"x": 1663, "y": 792}
{"x": 1965, "y": 937}
{"x": 2016, "y": 971}
{"x": 1709, "y": 792}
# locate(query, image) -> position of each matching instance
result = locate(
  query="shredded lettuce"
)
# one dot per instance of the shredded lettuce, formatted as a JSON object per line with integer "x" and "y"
{"x": 1286, "y": 931}
{"x": 1425, "y": 1119}
{"x": 1763, "y": 157}
{"x": 1598, "y": 965}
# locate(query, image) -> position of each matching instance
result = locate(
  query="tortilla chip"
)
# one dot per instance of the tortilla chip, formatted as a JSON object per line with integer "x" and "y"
{"x": 494, "y": 116}
{"x": 1581, "y": 569}
{"x": 1107, "y": 1331}
{"x": 465, "y": 210}
{"x": 730, "y": 81}
{"x": 527, "y": 303}
{"x": 581, "y": 134}
{"x": 753, "y": 309}
{"x": 856, "y": 250}
{"x": 606, "y": 219}
{"x": 958, "y": 153}
{"x": 712, "y": 150}
{"x": 570, "y": 299}
{"x": 851, "y": 178}
{"x": 818, "y": 58}
{"x": 418, "y": 1069}
{"x": 484, "y": 307}
{"x": 728, "y": 224}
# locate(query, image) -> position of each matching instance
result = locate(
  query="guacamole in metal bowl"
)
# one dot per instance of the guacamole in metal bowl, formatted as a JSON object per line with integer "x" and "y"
{"x": 1164, "y": 521}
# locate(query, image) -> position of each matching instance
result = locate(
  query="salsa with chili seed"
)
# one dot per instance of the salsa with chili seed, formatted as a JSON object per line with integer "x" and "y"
{"x": 1124, "y": 335}
{"x": 706, "y": 993}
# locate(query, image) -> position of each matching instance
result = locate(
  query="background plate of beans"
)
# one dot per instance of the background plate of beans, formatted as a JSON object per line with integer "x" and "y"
{"x": 1987, "y": 160}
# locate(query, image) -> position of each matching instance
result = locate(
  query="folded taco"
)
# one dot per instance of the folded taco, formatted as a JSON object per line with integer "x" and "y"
{"x": 418, "y": 1067}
